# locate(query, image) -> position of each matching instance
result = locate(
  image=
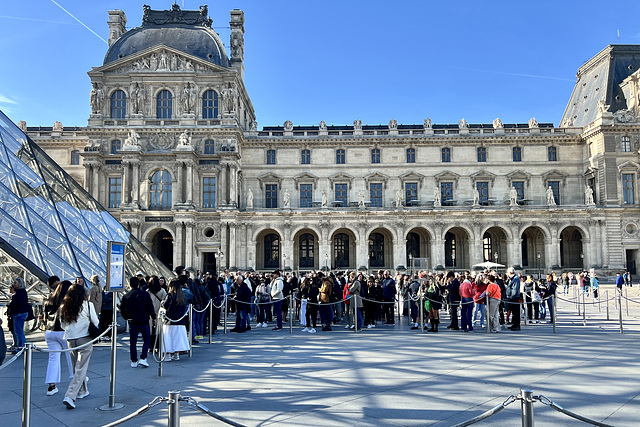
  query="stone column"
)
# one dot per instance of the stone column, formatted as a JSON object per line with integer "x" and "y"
{"x": 179, "y": 199}
{"x": 233, "y": 185}
{"x": 476, "y": 246}
{"x": 88, "y": 176}
{"x": 399, "y": 248}
{"x": 588, "y": 251}
{"x": 242, "y": 247}
{"x": 96, "y": 182}
{"x": 232, "y": 245}
{"x": 189, "y": 182}
{"x": 189, "y": 244}
{"x": 223, "y": 245}
{"x": 135, "y": 183}
{"x": 251, "y": 248}
{"x": 222, "y": 189}
{"x": 362, "y": 252}
{"x": 135, "y": 228}
{"x": 177, "y": 245}
{"x": 595, "y": 230}
{"x": 438, "y": 246}
{"x": 126, "y": 178}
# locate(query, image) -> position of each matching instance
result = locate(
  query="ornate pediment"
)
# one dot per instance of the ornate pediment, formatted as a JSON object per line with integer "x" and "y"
{"x": 519, "y": 175}
{"x": 447, "y": 176}
{"x": 341, "y": 178}
{"x": 269, "y": 178}
{"x": 628, "y": 166}
{"x": 554, "y": 175}
{"x": 483, "y": 175}
{"x": 377, "y": 177}
{"x": 305, "y": 177}
{"x": 412, "y": 177}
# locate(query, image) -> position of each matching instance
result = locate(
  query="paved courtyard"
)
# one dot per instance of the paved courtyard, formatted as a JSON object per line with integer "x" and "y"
{"x": 389, "y": 375}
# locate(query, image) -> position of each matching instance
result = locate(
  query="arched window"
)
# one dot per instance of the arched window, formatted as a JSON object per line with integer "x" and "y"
{"x": 376, "y": 250}
{"x": 450, "y": 249}
{"x": 341, "y": 250}
{"x": 209, "y": 146}
{"x": 160, "y": 190}
{"x": 413, "y": 247}
{"x": 116, "y": 145}
{"x": 118, "y": 105}
{"x": 306, "y": 244}
{"x": 210, "y": 105}
{"x": 271, "y": 251}
{"x": 164, "y": 105}
{"x": 75, "y": 157}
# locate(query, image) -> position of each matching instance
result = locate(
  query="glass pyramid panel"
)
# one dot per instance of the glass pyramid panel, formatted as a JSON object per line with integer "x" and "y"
{"x": 50, "y": 224}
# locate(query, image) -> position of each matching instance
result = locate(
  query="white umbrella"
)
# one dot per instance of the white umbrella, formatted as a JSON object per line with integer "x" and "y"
{"x": 488, "y": 264}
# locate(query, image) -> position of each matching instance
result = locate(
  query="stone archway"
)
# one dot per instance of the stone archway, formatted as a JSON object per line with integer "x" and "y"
{"x": 418, "y": 247}
{"x": 494, "y": 246}
{"x": 380, "y": 249}
{"x": 456, "y": 248}
{"x": 343, "y": 249}
{"x": 533, "y": 250}
{"x": 306, "y": 251}
{"x": 162, "y": 247}
{"x": 571, "y": 250}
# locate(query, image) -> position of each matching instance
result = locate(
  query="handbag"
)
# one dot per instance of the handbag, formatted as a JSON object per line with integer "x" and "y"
{"x": 94, "y": 331}
{"x": 30, "y": 315}
{"x": 535, "y": 296}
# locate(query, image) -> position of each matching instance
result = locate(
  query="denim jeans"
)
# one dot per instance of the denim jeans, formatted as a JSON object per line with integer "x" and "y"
{"x": 19, "y": 339}
{"x": 198, "y": 326}
{"x": 466, "y": 308}
{"x": 134, "y": 330}
{"x": 277, "y": 308}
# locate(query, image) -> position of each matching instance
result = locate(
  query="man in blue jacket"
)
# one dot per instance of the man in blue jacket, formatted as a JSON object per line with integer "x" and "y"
{"x": 513, "y": 296}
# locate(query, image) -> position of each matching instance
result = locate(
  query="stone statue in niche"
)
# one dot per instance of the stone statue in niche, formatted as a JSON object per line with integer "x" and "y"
{"x": 287, "y": 199}
{"x": 137, "y": 98}
{"x": 153, "y": 62}
{"x": 96, "y": 97}
{"x": 497, "y": 124}
{"x": 476, "y": 197}
{"x": 322, "y": 126}
{"x": 188, "y": 98}
{"x": 163, "y": 62}
{"x": 513, "y": 197}
{"x": 183, "y": 140}
{"x": 551, "y": 201}
{"x": 229, "y": 98}
{"x": 325, "y": 199}
{"x": 249, "y": 199}
{"x": 588, "y": 196}
{"x": 132, "y": 139}
{"x": 393, "y": 124}
{"x": 462, "y": 124}
{"x": 398, "y": 198}
{"x": 361, "y": 203}
{"x": 428, "y": 124}
{"x": 436, "y": 198}
{"x": 533, "y": 123}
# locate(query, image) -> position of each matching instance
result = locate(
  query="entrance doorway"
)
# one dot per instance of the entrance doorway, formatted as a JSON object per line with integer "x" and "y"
{"x": 162, "y": 247}
{"x": 209, "y": 262}
{"x": 631, "y": 260}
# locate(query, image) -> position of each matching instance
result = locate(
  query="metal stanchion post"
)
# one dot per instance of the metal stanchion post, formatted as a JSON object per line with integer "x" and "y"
{"x": 291, "y": 313}
{"x": 224, "y": 317}
{"x": 26, "y": 386}
{"x": 355, "y": 312}
{"x": 210, "y": 319}
{"x": 527, "y": 407}
{"x": 112, "y": 377}
{"x": 190, "y": 330}
{"x": 606, "y": 294}
{"x": 523, "y": 310}
{"x": 584, "y": 311}
{"x": 626, "y": 300}
{"x": 578, "y": 302}
{"x": 400, "y": 312}
{"x": 160, "y": 327}
{"x": 554, "y": 303}
{"x": 174, "y": 409}
{"x": 620, "y": 311}
{"x": 421, "y": 302}
{"x": 486, "y": 312}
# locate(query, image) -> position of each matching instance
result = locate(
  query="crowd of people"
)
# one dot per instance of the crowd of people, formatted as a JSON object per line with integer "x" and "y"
{"x": 157, "y": 310}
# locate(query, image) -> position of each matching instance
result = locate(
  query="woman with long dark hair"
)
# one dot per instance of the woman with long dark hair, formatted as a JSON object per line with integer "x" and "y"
{"x": 54, "y": 335}
{"x": 157, "y": 296}
{"x": 174, "y": 333}
{"x": 75, "y": 314}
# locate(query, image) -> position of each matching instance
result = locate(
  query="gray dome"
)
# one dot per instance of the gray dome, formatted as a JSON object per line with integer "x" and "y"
{"x": 187, "y": 31}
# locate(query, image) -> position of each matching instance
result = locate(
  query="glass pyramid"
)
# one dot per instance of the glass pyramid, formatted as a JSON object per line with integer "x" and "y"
{"x": 49, "y": 224}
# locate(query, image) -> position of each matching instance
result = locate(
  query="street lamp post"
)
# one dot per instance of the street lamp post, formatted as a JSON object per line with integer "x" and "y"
{"x": 539, "y": 269}
{"x": 326, "y": 261}
{"x": 219, "y": 256}
{"x": 411, "y": 264}
{"x": 582, "y": 261}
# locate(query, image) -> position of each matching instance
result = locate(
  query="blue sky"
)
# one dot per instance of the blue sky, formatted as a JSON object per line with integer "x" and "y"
{"x": 337, "y": 61}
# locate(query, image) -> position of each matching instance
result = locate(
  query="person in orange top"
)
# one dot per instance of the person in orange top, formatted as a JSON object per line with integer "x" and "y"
{"x": 495, "y": 296}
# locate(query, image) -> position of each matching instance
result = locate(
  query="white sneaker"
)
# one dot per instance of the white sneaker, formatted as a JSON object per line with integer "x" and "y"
{"x": 175, "y": 356}
{"x": 53, "y": 391}
{"x": 347, "y": 326}
{"x": 305, "y": 329}
{"x": 312, "y": 331}
{"x": 373, "y": 326}
{"x": 134, "y": 364}
{"x": 143, "y": 363}
{"x": 70, "y": 404}
{"x": 83, "y": 395}
{"x": 265, "y": 325}
{"x": 369, "y": 326}
{"x": 352, "y": 326}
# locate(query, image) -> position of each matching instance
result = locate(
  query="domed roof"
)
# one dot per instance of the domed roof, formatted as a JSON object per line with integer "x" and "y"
{"x": 186, "y": 30}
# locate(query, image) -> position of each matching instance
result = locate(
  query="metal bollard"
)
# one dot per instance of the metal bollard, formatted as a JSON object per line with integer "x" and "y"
{"x": 210, "y": 319}
{"x": 421, "y": 313}
{"x": 527, "y": 407}
{"x": 160, "y": 325}
{"x": 174, "y": 409}
{"x": 554, "y": 303}
{"x": 620, "y": 311}
{"x": 190, "y": 330}
{"x": 291, "y": 313}
{"x": 224, "y": 318}
{"x": 26, "y": 386}
{"x": 607, "y": 297}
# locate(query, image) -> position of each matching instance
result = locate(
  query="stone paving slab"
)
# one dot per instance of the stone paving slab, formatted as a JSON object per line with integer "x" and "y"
{"x": 385, "y": 376}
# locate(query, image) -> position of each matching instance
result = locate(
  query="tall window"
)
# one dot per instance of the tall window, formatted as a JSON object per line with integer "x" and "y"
{"x": 375, "y": 194}
{"x": 160, "y": 190}
{"x": 519, "y": 186}
{"x": 75, "y": 157}
{"x": 376, "y": 250}
{"x": 116, "y": 145}
{"x": 627, "y": 188}
{"x": 306, "y": 244}
{"x": 340, "y": 158}
{"x": 164, "y": 105}
{"x": 115, "y": 192}
{"x": 411, "y": 155}
{"x": 118, "y": 105}
{"x": 552, "y": 154}
{"x": 341, "y": 250}
{"x": 341, "y": 194}
{"x": 410, "y": 193}
{"x": 375, "y": 155}
{"x": 271, "y": 251}
{"x": 209, "y": 146}
{"x": 210, "y": 105}
{"x": 271, "y": 157}
{"x": 483, "y": 190}
{"x": 271, "y": 196}
{"x": 487, "y": 248}
{"x": 446, "y": 191}
{"x": 209, "y": 192}
{"x": 517, "y": 154}
{"x": 306, "y": 195}
{"x": 555, "y": 187}
{"x": 306, "y": 157}
{"x": 482, "y": 154}
{"x": 446, "y": 155}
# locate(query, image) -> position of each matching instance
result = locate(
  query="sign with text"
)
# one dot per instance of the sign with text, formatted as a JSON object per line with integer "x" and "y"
{"x": 115, "y": 266}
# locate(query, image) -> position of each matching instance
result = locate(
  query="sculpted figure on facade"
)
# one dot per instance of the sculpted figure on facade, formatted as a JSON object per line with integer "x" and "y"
{"x": 588, "y": 196}
{"x": 96, "y": 97}
{"x": 253, "y": 126}
{"x": 322, "y": 126}
{"x": 288, "y": 126}
{"x": 132, "y": 139}
{"x": 229, "y": 98}
{"x": 23, "y": 126}
{"x": 361, "y": 203}
{"x": 497, "y": 124}
{"x": 428, "y": 124}
{"x": 476, "y": 197}
{"x": 237, "y": 44}
{"x": 137, "y": 99}
{"x": 393, "y": 124}
{"x": 566, "y": 123}
{"x": 188, "y": 98}
{"x": 249, "y": 199}
{"x": 462, "y": 124}
{"x": 602, "y": 107}
{"x": 436, "y": 198}
{"x": 398, "y": 198}
{"x": 163, "y": 62}
{"x": 153, "y": 62}
{"x": 325, "y": 199}
{"x": 57, "y": 126}
{"x": 533, "y": 123}
{"x": 287, "y": 199}
{"x": 357, "y": 124}
{"x": 551, "y": 201}
{"x": 183, "y": 140}
{"x": 513, "y": 197}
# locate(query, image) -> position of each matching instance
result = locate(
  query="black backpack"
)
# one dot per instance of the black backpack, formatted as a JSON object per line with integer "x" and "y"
{"x": 286, "y": 288}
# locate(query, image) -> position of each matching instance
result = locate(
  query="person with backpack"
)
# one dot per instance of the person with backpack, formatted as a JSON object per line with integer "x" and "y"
{"x": 137, "y": 308}
{"x": 326, "y": 308}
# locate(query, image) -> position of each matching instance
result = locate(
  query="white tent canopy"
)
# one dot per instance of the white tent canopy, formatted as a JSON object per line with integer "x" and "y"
{"x": 489, "y": 265}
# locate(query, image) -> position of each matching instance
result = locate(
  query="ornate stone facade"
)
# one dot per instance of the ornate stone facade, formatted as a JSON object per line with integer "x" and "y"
{"x": 174, "y": 151}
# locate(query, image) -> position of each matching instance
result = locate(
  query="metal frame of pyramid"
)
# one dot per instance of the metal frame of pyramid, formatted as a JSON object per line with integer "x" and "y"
{"x": 49, "y": 224}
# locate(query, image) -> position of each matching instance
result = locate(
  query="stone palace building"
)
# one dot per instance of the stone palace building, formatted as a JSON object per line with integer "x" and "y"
{"x": 173, "y": 150}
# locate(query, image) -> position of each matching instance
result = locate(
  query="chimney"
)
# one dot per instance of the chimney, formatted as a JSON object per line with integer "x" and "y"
{"x": 237, "y": 41}
{"x": 117, "y": 25}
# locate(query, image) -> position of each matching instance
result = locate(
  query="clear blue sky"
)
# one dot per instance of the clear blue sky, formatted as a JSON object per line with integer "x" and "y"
{"x": 335, "y": 60}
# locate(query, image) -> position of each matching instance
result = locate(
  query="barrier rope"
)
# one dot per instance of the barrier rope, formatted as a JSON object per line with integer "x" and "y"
{"x": 204, "y": 309}
{"x": 599, "y": 301}
{"x": 192, "y": 402}
{"x": 65, "y": 350}
{"x": 546, "y": 401}
{"x": 13, "y": 359}
{"x": 155, "y": 402}
{"x": 164, "y": 316}
{"x": 508, "y": 401}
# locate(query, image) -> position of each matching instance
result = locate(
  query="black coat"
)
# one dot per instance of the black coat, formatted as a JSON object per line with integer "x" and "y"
{"x": 137, "y": 308}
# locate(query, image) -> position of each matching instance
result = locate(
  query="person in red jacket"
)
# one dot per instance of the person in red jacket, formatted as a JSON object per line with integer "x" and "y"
{"x": 495, "y": 296}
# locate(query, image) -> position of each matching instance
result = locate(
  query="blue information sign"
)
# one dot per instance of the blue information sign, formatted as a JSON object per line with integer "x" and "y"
{"x": 115, "y": 266}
